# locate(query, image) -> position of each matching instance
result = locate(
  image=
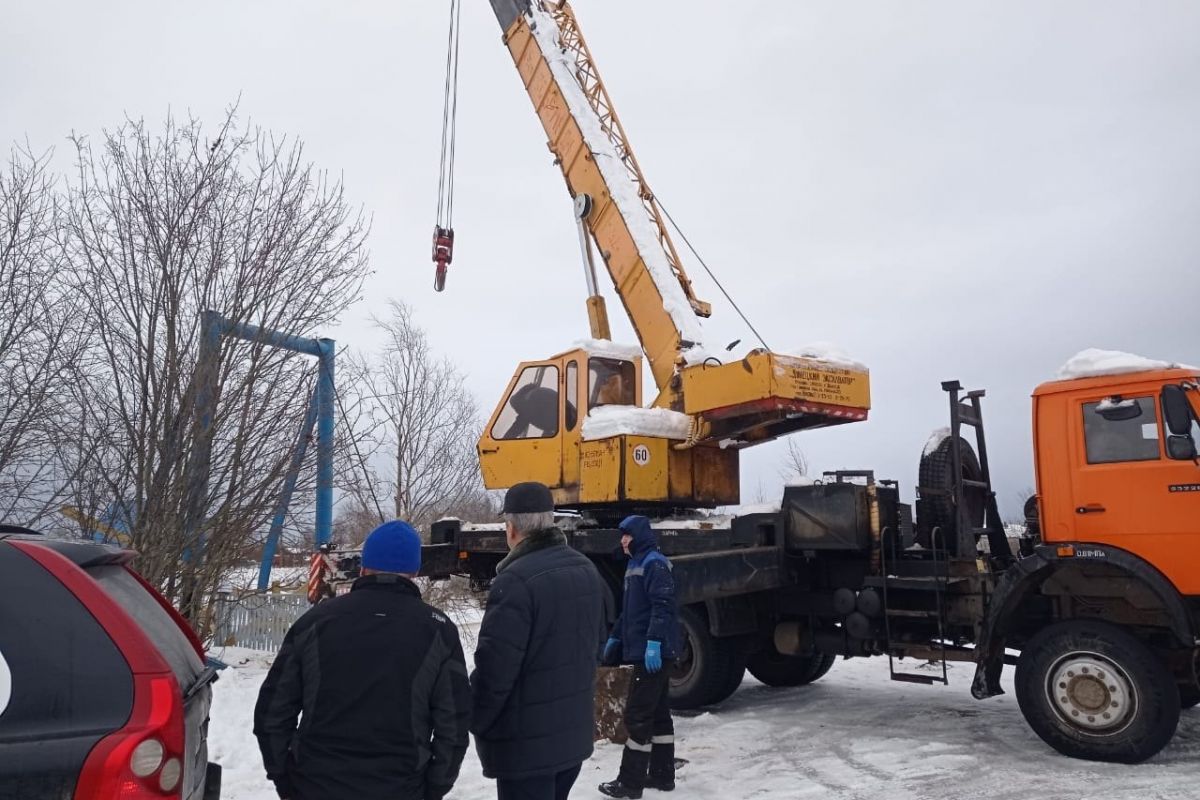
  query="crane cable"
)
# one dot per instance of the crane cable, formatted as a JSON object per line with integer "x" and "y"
{"x": 687, "y": 242}
{"x": 445, "y": 204}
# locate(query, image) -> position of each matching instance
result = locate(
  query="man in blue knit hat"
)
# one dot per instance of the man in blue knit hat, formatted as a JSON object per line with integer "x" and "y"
{"x": 368, "y": 697}
{"x": 646, "y": 635}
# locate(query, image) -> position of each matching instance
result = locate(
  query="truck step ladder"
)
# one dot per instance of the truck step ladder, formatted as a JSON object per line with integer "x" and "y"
{"x": 935, "y": 582}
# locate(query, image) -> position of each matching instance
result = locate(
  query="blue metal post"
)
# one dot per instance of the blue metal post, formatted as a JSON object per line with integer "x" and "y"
{"x": 213, "y": 327}
{"x": 325, "y": 405}
{"x": 285, "y": 497}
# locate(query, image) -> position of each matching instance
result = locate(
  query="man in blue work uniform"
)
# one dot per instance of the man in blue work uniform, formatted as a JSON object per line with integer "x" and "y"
{"x": 647, "y": 636}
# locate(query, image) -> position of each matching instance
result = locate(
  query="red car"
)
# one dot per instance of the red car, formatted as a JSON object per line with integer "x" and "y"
{"x": 104, "y": 688}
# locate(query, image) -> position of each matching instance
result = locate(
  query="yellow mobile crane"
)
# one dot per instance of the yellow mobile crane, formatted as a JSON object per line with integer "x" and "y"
{"x": 575, "y": 421}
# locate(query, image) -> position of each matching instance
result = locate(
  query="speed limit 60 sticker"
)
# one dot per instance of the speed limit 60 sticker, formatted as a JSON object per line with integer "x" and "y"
{"x": 641, "y": 455}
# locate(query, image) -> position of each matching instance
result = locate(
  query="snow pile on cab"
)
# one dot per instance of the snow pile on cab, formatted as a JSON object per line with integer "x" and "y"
{"x": 607, "y": 421}
{"x": 829, "y": 353}
{"x": 606, "y": 349}
{"x": 1094, "y": 363}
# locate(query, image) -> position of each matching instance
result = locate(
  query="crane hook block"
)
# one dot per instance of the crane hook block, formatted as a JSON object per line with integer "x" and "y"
{"x": 443, "y": 254}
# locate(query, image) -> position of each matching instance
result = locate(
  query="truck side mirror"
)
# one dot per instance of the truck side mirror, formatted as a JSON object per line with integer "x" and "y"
{"x": 1181, "y": 448}
{"x": 1177, "y": 412}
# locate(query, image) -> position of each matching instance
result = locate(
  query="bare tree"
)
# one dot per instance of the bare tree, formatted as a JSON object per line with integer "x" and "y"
{"x": 795, "y": 463}
{"x": 39, "y": 341}
{"x": 428, "y": 426}
{"x": 159, "y": 227}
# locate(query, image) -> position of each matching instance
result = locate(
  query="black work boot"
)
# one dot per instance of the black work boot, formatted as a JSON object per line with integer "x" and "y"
{"x": 632, "y": 777}
{"x": 618, "y": 789}
{"x": 662, "y": 767}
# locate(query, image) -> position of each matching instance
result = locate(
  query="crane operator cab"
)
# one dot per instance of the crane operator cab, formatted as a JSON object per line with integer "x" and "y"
{"x": 541, "y": 431}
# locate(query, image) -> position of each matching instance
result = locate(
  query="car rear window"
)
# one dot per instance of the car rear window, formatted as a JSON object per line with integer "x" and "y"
{"x": 137, "y": 601}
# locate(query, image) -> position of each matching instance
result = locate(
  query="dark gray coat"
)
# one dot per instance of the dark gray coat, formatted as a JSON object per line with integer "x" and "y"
{"x": 535, "y": 664}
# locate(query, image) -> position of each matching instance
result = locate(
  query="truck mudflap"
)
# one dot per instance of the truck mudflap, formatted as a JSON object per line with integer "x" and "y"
{"x": 1024, "y": 578}
{"x": 1018, "y": 582}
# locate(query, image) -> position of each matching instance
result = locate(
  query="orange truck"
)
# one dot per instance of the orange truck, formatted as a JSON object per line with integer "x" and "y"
{"x": 1096, "y": 602}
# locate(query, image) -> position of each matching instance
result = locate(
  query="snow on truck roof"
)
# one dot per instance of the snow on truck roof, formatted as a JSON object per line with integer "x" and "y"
{"x": 607, "y": 421}
{"x": 606, "y": 349}
{"x": 1096, "y": 363}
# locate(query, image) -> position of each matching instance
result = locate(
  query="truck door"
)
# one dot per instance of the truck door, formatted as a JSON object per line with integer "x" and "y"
{"x": 522, "y": 441}
{"x": 1124, "y": 488}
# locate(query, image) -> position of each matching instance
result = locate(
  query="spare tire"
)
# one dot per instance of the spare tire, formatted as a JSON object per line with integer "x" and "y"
{"x": 935, "y": 507}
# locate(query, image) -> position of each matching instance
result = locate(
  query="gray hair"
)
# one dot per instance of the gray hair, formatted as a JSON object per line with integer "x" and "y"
{"x": 529, "y": 522}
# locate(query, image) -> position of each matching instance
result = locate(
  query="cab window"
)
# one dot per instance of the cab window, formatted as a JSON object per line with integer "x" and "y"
{"x": 531, "y": 411}
{"x": 571, "y": 410}
{"x": 1121, "y": 429}
{"x": 610, "y": 382}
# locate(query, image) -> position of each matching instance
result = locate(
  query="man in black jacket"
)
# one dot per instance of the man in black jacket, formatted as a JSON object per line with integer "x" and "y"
{"x": 379, "y": 683}
{"x": 535, "y": 664}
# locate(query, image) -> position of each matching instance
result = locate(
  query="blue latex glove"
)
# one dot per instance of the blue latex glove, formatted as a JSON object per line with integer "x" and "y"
{"x": 612, "y": 651}
{"x": 653, "y": 656}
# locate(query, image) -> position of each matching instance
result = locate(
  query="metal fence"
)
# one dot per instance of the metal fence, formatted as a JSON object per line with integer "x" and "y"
{"x": 256, "y": 621}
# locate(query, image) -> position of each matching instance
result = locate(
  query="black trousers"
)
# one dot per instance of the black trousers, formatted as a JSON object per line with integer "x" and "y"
{"x": 554, "y": 786}
{"x": 649, "y": 754}
{"x": 647, "y": 711}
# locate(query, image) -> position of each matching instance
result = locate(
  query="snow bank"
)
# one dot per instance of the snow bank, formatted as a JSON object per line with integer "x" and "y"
{"x": 607, "y": 421}
{"x": 623, "y": 188}
{"x": 1094, "y": 363}
{"x": 935, "y": 440}
{"x": 607, "y": 349}
{"x": 829, "y": 353}
{"x": 852, "y": 734}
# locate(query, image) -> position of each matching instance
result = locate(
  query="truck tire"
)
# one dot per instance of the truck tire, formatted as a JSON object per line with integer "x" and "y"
{"x": 702, "y": 673}
{"x": 936, "y": 509}
{"x": 737, "y": 673}
{"x": 1092, "y": 690}
{"x": 773, "y": 668}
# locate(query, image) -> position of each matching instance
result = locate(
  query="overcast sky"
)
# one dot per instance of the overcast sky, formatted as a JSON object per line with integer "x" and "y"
{"x": 954, "y": 189}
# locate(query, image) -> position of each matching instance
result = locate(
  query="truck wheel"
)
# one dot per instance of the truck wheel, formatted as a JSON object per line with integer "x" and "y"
{"x": 775, "y": 669}
{"x": 936, "y": 510}
{"x": 1091, "y": 690}
{"x": 736, "y": 674}
{"x": 701, "y": 674}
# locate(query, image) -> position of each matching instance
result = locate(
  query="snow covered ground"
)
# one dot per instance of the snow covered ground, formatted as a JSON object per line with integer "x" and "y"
{"x": 852, "y": 735}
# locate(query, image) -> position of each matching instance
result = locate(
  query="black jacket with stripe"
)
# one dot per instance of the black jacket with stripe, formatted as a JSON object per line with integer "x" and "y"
{"x": 379, "y": 684}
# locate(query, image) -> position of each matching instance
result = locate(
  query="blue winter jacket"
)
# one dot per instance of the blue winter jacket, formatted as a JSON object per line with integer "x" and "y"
{"x": 648, "y": 609}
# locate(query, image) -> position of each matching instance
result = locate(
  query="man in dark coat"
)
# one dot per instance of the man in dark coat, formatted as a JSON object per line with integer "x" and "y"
{"x": 535, "y": 664}
{"x": 646, "y": 635}
{"x": 379, "y": 683}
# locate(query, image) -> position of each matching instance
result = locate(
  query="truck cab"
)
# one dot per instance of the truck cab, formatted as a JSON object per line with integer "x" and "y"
{"x": 1114, "y": 468}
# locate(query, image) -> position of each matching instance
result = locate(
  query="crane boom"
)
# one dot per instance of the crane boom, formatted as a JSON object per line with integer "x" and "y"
{"x": 596, "y": 159}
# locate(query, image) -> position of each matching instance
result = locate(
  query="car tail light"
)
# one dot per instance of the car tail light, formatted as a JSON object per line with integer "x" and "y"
{"x": 144, "y": 759}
